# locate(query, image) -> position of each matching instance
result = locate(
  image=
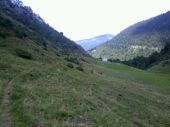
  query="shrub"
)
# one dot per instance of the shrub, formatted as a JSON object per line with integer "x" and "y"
{"x": 20, "y": 34}
{"x": 62, "y": 115}
{"x": 70, "y": 65}
{"x": 2, "y": 44}
{"x": 79, "y": 68}
{"x": 84, "y": 60}
{"x": 4, "y": 66}
{"x": 73, "y": 60}
{"x": 5, "y": 23}
{"x": 44, "y": 45}
{"x": 2, "y": 35}
{"x": 58, "y": 54}
{"x": 165, "y": 63}
{"x": 23, "y": 54}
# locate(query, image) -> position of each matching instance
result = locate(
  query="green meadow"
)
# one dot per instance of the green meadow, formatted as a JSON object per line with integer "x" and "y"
{"x": 46, "y": 92}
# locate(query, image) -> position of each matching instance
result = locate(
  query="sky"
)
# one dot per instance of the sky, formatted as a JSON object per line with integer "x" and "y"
{"x": 83, "y": 19}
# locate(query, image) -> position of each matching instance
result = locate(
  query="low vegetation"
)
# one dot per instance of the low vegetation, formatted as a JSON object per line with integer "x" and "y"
{"x": 79, "y": 68}
{"x": 70, "y": 65}
{"x": 23, "y": 54}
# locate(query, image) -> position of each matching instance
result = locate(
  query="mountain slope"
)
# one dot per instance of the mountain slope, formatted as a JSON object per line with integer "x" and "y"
{"x": 20, "y": 21}
{"x": 155, "y": 59}
{"x": 141, "y": 39}
{"x": 89, "y": 44}
{"x": 163, "y": 63}
{"x": 43, "y": 86}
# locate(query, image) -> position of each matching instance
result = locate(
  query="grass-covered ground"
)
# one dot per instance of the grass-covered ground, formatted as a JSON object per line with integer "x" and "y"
{"x": 162, "y": 67}
{"x": 46, "y": 92}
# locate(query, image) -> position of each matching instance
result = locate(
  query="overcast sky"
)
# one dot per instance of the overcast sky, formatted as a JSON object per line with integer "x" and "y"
{"x": 80, "y": 19}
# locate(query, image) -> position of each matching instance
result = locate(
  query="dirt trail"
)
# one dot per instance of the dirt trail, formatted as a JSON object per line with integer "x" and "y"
{"x": 5, "y": 118}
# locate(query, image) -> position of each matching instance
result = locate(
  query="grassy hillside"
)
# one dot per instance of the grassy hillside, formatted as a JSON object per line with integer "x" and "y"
{"x": 48, "y": 81}
{"x": 45, "y": 91}
{"x": 140, "y": 39}
{"x": 163, "y": 67}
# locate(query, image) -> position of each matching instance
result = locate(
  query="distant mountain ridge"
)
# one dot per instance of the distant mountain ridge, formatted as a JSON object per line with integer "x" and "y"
{"x": 140, "y": 39}
{"x": 89, "y": 44}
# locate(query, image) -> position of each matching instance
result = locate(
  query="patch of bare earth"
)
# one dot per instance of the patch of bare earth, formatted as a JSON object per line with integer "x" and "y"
{"x": 5, "y": 118}
{"x": 79, "y": 121}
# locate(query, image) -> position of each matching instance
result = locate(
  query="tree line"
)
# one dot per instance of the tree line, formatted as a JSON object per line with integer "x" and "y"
{"x": 146, "y": 62}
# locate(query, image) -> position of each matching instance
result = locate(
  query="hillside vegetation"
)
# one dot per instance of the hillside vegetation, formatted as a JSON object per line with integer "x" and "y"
{"x": 162, "y": 58}
{"x": 46, "y": 80}
{"x": 140, "y": 39}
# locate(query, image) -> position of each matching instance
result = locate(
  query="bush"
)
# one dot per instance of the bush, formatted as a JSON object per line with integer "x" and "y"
{"x": 70, "y": 65}
{"x": 23, "y": 54}
{"x": 73, "y": 60}
{"x": 5, "y": 23}
{"x": 165, "y": 63}
{"x": 20, "y": 34}
{"x": 3, "y": 35}
{"x": 79, "y": 68}
{"x": 4, "y": 66}
{"x": 84, "y": 60}
{"x": 62, "y": 115}
{"x": 44, "y": 45}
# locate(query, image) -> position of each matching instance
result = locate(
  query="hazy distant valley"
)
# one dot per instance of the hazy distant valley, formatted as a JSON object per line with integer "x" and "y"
{"x": 92, "y": 43}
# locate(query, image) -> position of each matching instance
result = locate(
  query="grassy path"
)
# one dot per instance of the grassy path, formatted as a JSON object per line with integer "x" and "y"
{"x": 5, "y": 118}
{"x": 5, "y": 114}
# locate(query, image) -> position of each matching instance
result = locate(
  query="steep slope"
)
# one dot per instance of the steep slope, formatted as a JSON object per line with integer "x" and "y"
{"x": 161, "y": 67}
{"x": 43, "y": 85}
{"x": 141, "y": 39}
{"x": 20, "y": 21}
{"x": 163, "y": 63}
{"x": 156, "y": 59}
{"x": 89, "y": 44}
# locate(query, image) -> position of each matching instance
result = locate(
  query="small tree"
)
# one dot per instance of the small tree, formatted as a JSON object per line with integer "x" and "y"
{"x": 79, "y": 68}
